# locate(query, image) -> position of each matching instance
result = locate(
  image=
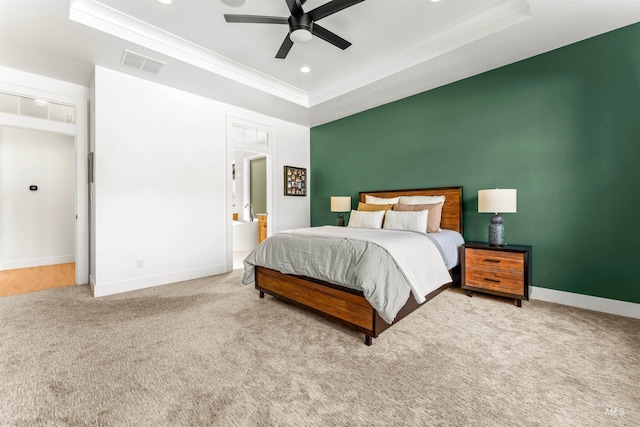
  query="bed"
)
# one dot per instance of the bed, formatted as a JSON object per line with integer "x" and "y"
{"x": 348, "y": 306}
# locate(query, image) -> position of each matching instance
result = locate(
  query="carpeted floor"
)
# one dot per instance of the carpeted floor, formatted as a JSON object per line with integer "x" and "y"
{"x": 210, "y": 352}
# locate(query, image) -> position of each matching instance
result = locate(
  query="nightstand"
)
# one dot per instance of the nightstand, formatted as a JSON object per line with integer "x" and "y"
{"x": 497, "y": 270}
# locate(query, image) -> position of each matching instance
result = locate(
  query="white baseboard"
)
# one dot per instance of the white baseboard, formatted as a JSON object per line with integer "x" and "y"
{"x": 36, "y": 262}
{"x": 621, "y": 308}
{"x": 104, "y": 289}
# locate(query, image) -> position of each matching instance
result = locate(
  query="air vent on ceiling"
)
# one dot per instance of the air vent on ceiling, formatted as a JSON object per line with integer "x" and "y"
{"x": 141, "y": 62}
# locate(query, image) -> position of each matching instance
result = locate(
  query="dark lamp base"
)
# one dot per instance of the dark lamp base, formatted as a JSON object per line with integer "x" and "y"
{"x": 496, "y": 231}
{"x": 340, "y": 222}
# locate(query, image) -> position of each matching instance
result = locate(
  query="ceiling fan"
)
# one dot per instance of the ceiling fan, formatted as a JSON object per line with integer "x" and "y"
{"x": 302, "y": 25}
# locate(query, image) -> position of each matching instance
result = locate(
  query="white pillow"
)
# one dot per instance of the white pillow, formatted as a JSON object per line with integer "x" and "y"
{"x": 380, "y": 200}
{"x": 365, "y": 219}
{"x": 406, "y": 220}
{"x": 420, "y": 200}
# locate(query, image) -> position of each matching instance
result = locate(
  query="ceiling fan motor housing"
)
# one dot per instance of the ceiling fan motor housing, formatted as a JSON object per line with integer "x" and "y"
{"x": 300, "y": 28}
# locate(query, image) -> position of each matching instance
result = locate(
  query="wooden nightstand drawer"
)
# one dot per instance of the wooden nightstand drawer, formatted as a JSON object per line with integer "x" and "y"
{"x": 509, "y": 283}
{"x": 493, "y": 260}
{"x": 498, "y": 270}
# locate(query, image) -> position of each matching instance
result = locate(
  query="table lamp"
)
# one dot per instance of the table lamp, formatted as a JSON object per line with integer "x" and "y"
{"x": 340, "y": 204}
{"x": 497, "y": 201}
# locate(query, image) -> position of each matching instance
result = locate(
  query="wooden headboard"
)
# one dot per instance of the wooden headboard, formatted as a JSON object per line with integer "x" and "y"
{"x": 451, "y": 211}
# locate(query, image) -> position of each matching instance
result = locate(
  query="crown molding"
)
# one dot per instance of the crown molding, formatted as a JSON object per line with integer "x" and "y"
{"x": 108, "y": 20}
{"x": 103, "y": 18}
{"x": 493, "y": 20}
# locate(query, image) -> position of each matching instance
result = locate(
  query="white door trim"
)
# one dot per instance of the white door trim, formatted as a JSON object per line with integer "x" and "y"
{"x": 39, "y": 87}
{"x": 269, "y": 152}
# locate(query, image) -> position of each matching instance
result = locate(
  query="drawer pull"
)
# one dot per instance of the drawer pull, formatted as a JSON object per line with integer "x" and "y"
{"x": 492, "y": 280}
{"x": 491, "y": 260}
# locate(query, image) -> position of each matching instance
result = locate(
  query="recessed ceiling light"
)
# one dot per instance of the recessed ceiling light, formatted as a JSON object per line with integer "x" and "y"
{"x": 165, "y": 2}
{"x": 305, "y": 69}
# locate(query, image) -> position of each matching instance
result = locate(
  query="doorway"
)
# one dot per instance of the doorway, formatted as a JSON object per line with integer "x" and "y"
{"x": 249, "y": 201}
{"x": 54, "y": 113}
{"x": 37, "y": 219}
{"x": 250, "y": 148}
{"x": 257, "y": 181}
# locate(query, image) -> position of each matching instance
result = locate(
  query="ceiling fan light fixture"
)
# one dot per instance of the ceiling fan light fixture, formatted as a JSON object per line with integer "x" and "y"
{"x": 233, "y": 3}
{"x": 301, "y": 35}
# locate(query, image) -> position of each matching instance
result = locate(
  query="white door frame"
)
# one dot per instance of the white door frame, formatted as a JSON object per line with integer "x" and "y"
{"x": 39, "y": 87}
{"x": 267, "y": 151}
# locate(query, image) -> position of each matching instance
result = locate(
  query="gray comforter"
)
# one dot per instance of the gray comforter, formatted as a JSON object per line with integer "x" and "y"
{"x": 353, "y": 263}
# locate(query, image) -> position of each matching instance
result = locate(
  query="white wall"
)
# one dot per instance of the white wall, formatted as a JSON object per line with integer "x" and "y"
{"x": 293, "y": 144}
{"x": 162, "y": 180}
{"x": 38, "y": 227}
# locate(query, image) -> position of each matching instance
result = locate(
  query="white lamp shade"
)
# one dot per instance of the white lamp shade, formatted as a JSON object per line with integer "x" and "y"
{"x": 497, "y": 201}
{"x": 340, "y": 203}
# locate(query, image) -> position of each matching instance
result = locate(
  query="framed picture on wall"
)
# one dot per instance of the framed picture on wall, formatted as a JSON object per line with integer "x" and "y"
{"x": 295, "y": 181}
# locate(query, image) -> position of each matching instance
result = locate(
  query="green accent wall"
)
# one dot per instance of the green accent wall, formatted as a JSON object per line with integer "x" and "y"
{"x": 563, "y": 128}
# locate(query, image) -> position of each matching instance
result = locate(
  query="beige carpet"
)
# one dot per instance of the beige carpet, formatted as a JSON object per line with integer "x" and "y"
{"x": 210, "y": 352}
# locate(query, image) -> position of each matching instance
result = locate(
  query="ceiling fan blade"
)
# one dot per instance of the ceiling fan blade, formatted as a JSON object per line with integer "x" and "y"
{"x": 295, "y": 6}
{"x": 256, "y": 19}
{"x": 330, "y": 37}
{"x": 284, "y": 48}
{"x": 331, "y": 8}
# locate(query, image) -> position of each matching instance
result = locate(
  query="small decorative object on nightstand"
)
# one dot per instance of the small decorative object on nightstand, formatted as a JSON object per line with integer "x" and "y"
{"x": 498, "y": 270}
{"x": 341, "y": 204}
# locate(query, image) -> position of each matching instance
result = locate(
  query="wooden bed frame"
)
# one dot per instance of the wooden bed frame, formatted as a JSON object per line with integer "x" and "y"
{"x": 348, "y": 306}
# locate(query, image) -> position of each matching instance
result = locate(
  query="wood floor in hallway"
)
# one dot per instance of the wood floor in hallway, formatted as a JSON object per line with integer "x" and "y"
{"x": 22, "y": 280}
